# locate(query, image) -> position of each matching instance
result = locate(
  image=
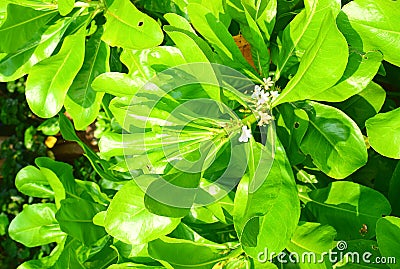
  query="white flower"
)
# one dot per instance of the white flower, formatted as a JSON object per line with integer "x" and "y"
{"x": 264, "y": 97}
{"x": 274, "y": 95}
{"x": 246, "y": 134}
{"x": 265, "y": 118}
{"x": 257, "y": 92}
{"x": 268, "y": 82}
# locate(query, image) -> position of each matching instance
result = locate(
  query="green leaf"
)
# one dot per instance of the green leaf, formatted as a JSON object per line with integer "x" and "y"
{"x": 129, "y": 28}
{"x": 142, "y": 65}
{"x": 268, "y": 216}
{"x": 302, "y": 31}
{"x": 65, "y": 6}
{"x": 333, "y": 141}
{"x": 259, "y": 48}
{"x": 347, "y": 206}
{"x": 75, "y": 217}
{"x": 128, "y": 219}
{"x": 3, "y": 223}
{"x": 393, "y": 190}
{"x": 132, "y": 265}
{"x": 49, "y": 80}
{"x": 368, "y": 31}
{"x": 23, "y": 25}
{"x": 82, "y": 102}
{"x": 17, "y": 64}
{"x": 50, "y": 126}
{"x": 384, "y": 133}
{"x": 218, "y": 35}
{"x": 70, "y": 256}
{"x": 360, "y": 71}
{"x": 365, "y": 104}
{"x": 292, "y": 125}
{"x": 187, "y": 254}
{"x": 320, "y": 68}
{"x": 313, "y": 237}
{"x": 30, "y": 181}
{"x": 387, "y": 233}
{"x": 36, "y": 225}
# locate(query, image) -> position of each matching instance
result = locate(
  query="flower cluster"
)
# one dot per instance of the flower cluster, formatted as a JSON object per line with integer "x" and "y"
{"x": 263, "y": 97}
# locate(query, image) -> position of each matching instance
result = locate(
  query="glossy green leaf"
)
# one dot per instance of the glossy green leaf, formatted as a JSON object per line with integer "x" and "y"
{"x": 65, "y": 6}
{"x": 69, "y": 257}
{"x": 387, "y": 233}
{"x": 394, "y": 189}
{"x": 384, "y": 133}
{"x": 132, "y": 265}
{"x": 319, "y": 68}
{"x": 365, "y": 104}
{"x": 82, "y": 102}
{"x": 30, "y": 181}
{"x": 218, "y": 35}
{"x": 314, "y": 237}
{"x": 292, "y": 125}
{"x": 359, "y": 72}
{"x": 36, "y": 225}
{"x": 186, "y": 254}
{"x": 347, "y": 206}
{"x": 128, "y": 219}
{"x": 21, "y": 26}
{"x": 302, "y": 31}
{"x": 142, "y": 65}
{"x": 129, "y": 28}
{"x": 268, "y": 216}
{"x": 17, "y": 64}
{"x": 49, "y": 80}
{"x": 363, "y": 21}
{"x": 333, "y": 141}
{"x": 49, "y": 127}
{"x": 75, "y": 217}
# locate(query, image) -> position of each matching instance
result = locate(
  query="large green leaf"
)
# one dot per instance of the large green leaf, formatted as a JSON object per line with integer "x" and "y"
{"x": 347, "y": 206}
{"x": 268, "y": 216}
{"x": 364, "y": 23}
{"x": 365, "y": 104}
{"x": 82, "y": 102}
{"x": 301, "y": 32}
{"x": 320, "y": 67}
{"x": 205, "y": 22}
{"x": 129, "y": 28}
{"x": 142, "y": 65}
{"x": 23, "y": 25}
{"x": 30, "y": 181}
{"x": 316, "y": 238}
{"x": 36, "y": 225}
{"x": 17, "y": 64}
{"x": 333, "y": 141}
{"x": 359, "y": 72}
{"x": 49, "y": 80}
{"x": 187, "y": 254}
{"x": 128, "y": 219}
{"x": 387, "y": 234}
{"x": 65, "y": 6}
{"x": 75, "y": 217}
{"x": 384, "y": 133}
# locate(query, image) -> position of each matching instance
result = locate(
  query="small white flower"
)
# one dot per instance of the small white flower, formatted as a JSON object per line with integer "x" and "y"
{"x": 246, "y": 134}
{"x": 264, "y": 97}
{"x": 274, "y": 95}
{"x": 257, "y": 92}
{"x": 268, "y": 83}
{"x": 265, "y": 118}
